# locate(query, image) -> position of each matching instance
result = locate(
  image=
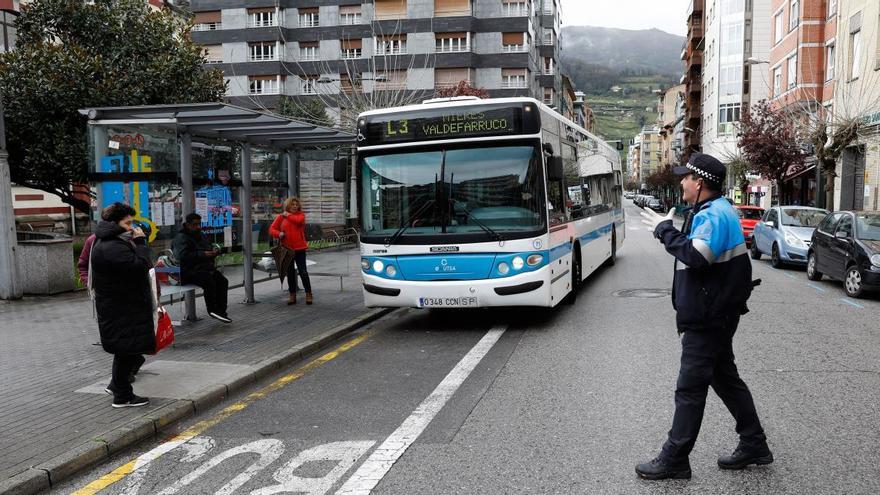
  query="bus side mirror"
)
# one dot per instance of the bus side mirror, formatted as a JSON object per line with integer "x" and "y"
{"x": 340, "y": 169}
{"x": 620, "y": 146}
{"x": 554, "y": 168}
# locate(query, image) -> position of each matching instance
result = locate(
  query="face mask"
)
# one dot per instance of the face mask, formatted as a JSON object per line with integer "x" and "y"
{"x": 127, "y": 235}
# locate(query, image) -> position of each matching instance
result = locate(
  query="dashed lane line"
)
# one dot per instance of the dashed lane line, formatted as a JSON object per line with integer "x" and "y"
{"x": 193, "y": 431}
{"x": 371, "y": 472}
{"x": 852, "y": 303}
{"x": 820, "y": 289}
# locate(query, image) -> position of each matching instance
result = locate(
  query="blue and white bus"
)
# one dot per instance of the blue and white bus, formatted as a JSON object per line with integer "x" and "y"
{"x": 469, "y": 202}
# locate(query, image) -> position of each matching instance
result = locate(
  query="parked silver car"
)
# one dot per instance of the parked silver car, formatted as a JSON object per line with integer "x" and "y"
{"x": 785, "y": 234}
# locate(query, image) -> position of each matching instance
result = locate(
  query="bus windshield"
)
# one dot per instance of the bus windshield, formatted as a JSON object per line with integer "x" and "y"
{"x": 453, "y": 191}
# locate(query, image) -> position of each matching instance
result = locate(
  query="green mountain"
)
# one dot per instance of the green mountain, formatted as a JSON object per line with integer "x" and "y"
{"x": 621, "y": 71}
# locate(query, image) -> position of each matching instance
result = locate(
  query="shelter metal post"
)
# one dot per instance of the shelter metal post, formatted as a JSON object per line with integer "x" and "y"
{"x": 247, "y": 224}
{"x": 292, "y": 158}
{"x": 10, "y": 280}
{"x": 186, "y": 182}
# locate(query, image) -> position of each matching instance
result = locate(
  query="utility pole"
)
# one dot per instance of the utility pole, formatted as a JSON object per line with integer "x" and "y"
{"x": 10, "y": 281}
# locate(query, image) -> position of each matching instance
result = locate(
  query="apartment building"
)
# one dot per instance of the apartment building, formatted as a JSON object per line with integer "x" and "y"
{"x": 8, "y": 13}
{"x": 692, "y": 55}
{"x": 331, "y": 49}
{"x": 670, "y": 119}
{"x": 651, "y": 152}
{"x": 801, "y": 74}
{"x": 633, "y": 161}
{"x": 857, "y": 95}
{"x": 736, "y": 32}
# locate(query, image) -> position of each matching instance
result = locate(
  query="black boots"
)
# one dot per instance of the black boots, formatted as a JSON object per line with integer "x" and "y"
{"x": 661, "y": 469}
{"x": 742, "y": 457}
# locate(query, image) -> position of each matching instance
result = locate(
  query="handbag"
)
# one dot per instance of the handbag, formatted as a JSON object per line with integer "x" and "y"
{"x": 163, "y": 330}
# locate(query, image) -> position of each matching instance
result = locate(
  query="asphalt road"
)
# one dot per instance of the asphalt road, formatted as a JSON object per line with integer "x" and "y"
{"x": 542, "y": 401}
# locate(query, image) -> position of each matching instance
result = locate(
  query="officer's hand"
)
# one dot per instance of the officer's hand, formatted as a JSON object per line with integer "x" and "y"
{"x": 652, "y": 219}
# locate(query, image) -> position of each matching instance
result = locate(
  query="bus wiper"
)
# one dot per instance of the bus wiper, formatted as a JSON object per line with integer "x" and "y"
{"x": 399, "y": 232}
{"x": 489, "y": 230}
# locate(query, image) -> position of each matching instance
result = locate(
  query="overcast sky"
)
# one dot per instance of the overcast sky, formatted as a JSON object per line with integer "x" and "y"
{"x": 666, "y": 15}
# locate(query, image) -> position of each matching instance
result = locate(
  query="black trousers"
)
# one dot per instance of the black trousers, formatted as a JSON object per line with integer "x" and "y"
{"x": 707, "y": 360}
{"x": 214, "y": 286}
{"x": 299, "y": 263}
{"x": 123, "y": 366}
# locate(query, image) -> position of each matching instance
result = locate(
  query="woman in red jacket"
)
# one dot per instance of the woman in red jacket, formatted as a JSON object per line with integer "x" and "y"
{"x": 290, "y": 228}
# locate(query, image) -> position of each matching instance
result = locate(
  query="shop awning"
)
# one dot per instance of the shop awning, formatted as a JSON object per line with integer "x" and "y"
{"x": 221, "y": 121}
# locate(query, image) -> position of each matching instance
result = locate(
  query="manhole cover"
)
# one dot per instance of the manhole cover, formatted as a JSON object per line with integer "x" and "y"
{"x": 644, "y": 293}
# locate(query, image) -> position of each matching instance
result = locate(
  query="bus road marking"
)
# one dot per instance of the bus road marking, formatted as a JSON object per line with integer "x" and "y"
{"x": 142, "y": 462}
{"x": 371, "y": 472}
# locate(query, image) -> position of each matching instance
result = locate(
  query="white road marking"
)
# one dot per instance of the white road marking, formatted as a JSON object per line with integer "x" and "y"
{"x": 344, "y": 454}
{"x": 268, "y": 450}
{"x": 371, "y": 472}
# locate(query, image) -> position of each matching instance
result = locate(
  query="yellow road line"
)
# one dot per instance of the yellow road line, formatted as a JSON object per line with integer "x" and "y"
{"x": 197, "y": 429}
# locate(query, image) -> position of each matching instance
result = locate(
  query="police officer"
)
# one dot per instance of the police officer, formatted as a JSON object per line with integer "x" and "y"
{"x": 711, "y": 285}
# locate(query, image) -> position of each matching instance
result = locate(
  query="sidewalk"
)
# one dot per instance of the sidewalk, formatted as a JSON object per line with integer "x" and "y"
{"x": 56, "y": 419}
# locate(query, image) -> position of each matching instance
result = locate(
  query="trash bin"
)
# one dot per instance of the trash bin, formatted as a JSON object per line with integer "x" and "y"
{"x": 45, "y": 262}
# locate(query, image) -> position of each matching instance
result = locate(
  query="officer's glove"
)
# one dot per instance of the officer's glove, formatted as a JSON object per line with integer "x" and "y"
{"x": 652, "y": 219}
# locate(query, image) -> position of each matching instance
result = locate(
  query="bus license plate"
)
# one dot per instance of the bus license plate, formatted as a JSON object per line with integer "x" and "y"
{"x": 448, "y": 302}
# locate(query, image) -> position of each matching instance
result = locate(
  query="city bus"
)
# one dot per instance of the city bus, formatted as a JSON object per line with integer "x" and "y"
{"x": 468, "y": 202}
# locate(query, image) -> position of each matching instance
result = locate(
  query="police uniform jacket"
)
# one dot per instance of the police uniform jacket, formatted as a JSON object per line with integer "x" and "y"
{"x": 713, "y": 274}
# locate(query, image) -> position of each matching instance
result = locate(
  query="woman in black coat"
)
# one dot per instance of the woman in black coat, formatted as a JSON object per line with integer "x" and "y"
{"x": 120, "y": 278}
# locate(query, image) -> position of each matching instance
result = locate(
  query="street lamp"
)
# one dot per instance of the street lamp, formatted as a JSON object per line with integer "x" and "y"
{"x": 756, "y": 61}
{"x": 328, "y": 80}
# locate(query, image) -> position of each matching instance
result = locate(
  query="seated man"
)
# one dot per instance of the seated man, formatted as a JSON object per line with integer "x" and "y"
{"x": 196, "y": 257}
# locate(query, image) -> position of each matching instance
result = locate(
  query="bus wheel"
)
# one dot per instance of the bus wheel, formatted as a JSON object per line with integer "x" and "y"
{"x": 613, "y": 259}
{"x": 575, "y": 276}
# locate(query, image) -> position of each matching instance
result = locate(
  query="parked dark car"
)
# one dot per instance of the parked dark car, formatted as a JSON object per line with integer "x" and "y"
{"x": 748, "y": 217}
{"x": 655, "y": 205}
{"x": 846, "y": 247}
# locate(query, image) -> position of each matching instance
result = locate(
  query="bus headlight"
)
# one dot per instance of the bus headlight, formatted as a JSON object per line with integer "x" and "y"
{"x": 390, "y": 271}
{"x": 378, "y": 266}
{"x": 365, "y": 264}
{"x": 518, "y": 263}
{"x": 503, "y": 268}
{"x": 534, "y": 260}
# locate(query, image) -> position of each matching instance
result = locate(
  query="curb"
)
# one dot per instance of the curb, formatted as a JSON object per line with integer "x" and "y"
{"x": 46, "y": 475}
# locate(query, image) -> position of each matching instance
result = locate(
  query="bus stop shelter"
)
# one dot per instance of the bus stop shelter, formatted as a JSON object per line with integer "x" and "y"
{"x": 216, "y": 159}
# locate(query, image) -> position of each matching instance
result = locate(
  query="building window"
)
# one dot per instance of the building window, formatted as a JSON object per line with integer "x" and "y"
{"x": 346, "y": 85}
{"x": 391, "y": 45}
{"x": 514, "y": 42}
{"x": 259, "y": 52}
{"x": 453, "y": 42}
{"x": 390, "y": 9}
{"x": 265, "y": 85}
{"x": 309, "y": 17}
{"x": 548, "y": 37}
{"x": 213, "y": 54}
{"x": 732, "y": 39}
{"x": 514, "y": 78}
{"x": 351, "y": 49}
{"x": 792, "y": 71}
{"x": 829, "y": 62}
{"x": 794, "y": 16}
{"x": 855, "y": 46}
{"x": 450, "y": 78}
{"x": 391, "y": 79}
{"x": 308, "y": 51}
{"x": 262, "y": 18}
{"x": 730, "y": 79}
{"x": 350, "y": 15}
{"x": 777, "y": 28}
{"x": 549, "y": 66}
{"x": 777, "y": 81}
{"x": 207, "y": 21}
{"x": 549, "y": 96}
{"x": 832, "y": 7}
{"x": 515, "y": 8}
{"x": 451, "y": 8}
{"x": 308, "y": 85}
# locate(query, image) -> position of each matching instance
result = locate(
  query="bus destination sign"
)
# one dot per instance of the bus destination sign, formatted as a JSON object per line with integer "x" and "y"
{"x": 437, "y": 124}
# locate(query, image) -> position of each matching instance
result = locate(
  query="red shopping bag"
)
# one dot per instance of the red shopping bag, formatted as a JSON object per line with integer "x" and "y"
{"x": 164, "y": 330}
